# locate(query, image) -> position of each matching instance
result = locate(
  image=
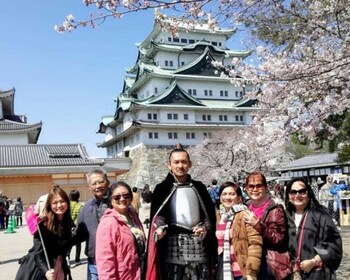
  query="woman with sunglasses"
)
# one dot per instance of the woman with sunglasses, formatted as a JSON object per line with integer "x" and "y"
{"x": 269, "y": 219}
{"x": 120, "y": 239}
{"x": 309, "y": 223}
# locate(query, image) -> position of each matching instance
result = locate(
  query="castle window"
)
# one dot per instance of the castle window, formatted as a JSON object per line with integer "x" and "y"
{"x": 169, "y": 39}
{"x": 191, "y": 41}
{"x": 176, "y": 40}
{"x": 155, "y": 90}
{"x": 171, "y": 63}
{"x": 206, "y": 117}
{"x": 153, "y": 135}
{"x": 173, "y": 116}
{"x": 208, "y": 92}
{"x": 192, "y": 91}
{"x": 190, "y": 135}
{"x": 207, "y": 135}
{"x": 223, "y": 118}
{"x": 185, "y": 116}
{"x": 152, "y": 116}
{"x": 172, "y": 135}
{"x": 183, "y": 40}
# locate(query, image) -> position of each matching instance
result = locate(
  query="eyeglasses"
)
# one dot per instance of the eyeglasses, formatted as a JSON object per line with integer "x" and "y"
{"x": 301, "y": 192}
{"x": 101, "y": 182}
{"x": 119, "y": 196}
{"x": 252, "y": 187}
{"x": 59, "y": 202}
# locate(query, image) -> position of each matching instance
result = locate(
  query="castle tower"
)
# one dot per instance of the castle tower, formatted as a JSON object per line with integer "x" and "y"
{"x": 174, "y": 94}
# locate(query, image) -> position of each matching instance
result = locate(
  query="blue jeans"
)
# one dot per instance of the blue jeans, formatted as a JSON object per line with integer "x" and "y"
{"x": 92, "y": 271}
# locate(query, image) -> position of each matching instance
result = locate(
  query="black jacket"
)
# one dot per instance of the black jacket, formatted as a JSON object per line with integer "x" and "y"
{"x": 34, "y": 266}
{"x": 320, "y": 237}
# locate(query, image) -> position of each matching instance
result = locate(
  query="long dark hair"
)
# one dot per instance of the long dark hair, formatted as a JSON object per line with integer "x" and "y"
{"x": 117, "y": 185}
{"x": 313, "y": 202}
{"x": 65, "y": 226}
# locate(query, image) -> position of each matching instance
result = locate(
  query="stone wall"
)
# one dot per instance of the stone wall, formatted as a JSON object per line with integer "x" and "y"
{"x": 149, "y": 166}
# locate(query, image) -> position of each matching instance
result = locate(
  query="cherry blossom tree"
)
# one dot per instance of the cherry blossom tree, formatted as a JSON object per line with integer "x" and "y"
{"x": 231, "y": 155}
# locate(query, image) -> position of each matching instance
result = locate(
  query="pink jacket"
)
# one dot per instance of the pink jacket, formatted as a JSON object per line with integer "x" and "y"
{"x": 116, "y": 251}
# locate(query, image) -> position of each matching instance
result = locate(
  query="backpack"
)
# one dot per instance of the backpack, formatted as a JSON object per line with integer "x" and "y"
{"x": 13, "y": 208}
{"x": 214, "y": 194}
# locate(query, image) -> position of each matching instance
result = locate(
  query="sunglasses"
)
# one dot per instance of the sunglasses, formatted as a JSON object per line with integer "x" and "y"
{"x": 258, "y": 186}
{"x": 119, "y": 196}
{"x": 301, "y": 192}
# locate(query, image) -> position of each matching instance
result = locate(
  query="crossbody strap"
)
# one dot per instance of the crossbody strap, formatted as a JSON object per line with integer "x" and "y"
{"x": 300, "y": 241}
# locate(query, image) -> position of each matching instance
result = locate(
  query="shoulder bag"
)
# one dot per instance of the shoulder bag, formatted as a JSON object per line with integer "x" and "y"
{"x": 296, "y": 275}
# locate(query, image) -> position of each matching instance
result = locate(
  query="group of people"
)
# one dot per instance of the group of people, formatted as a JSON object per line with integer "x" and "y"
{"x": 10, "y": 208}
{"x": 188, "y": 237}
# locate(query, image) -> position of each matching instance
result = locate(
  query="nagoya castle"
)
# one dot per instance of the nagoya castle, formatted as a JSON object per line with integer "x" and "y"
{"x": 174, "y": 94}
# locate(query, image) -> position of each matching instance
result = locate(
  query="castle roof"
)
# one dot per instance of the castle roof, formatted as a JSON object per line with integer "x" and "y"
{"x": 13, "y": 127}
{"x": 7, "y": 100}
{"x": 199, "y": 45}
{"x": 173, "y": 95}
{"x": 138, "y": 124}
{"x": 312, "y": 161}
{"x": 193, "y": 27}
{"x": 51, "y": 158}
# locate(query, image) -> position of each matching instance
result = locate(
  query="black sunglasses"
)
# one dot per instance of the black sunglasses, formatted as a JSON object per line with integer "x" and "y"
{"x": 301, "y": 192}
{"x": 119, "y": 196}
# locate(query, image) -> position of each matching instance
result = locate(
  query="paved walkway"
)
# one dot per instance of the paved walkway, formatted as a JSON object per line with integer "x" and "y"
{"x": 15, "y": 245}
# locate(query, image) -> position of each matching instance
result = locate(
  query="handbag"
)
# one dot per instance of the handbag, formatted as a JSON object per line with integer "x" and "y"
{"x": 279, "y": 264}
{"x": 296, "y": 275}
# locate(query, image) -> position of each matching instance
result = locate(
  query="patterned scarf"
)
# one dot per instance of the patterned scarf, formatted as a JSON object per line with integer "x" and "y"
{"x": 228, "y": 217}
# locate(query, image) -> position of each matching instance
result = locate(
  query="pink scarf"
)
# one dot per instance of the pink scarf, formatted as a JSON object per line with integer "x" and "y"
{"x": 259, "y": 210}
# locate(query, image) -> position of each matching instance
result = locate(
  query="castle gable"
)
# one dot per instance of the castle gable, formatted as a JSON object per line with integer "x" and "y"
{"x": 202, "y": 66}
{"x": 174, "y": 95}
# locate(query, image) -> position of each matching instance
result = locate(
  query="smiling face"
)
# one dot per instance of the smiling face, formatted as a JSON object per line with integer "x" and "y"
{"x": 298, "y": 196}
{"x": 121, "y": 200}
{"x": 255, "y": 189}
{"x": 58, "y": 205}
{"x": 229, "y": 197}
{"x": 98, "y": 185}
{"x": 179, "y": 164}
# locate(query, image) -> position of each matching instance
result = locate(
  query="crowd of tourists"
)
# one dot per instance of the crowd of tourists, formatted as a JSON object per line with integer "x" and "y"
{"x": 193, "y": 233}
{"x": 10, "y": 208}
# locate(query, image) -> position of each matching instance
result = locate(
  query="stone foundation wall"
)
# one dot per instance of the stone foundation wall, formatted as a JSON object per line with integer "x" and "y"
{"x": 149, "y": 166}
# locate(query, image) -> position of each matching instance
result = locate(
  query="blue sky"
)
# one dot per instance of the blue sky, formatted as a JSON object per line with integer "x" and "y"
{"x": 67, "y": 81}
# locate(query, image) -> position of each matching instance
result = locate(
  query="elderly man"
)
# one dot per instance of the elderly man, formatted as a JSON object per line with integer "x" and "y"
{"x": 182, "y": 243}
{"x": 89, "y": 217}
